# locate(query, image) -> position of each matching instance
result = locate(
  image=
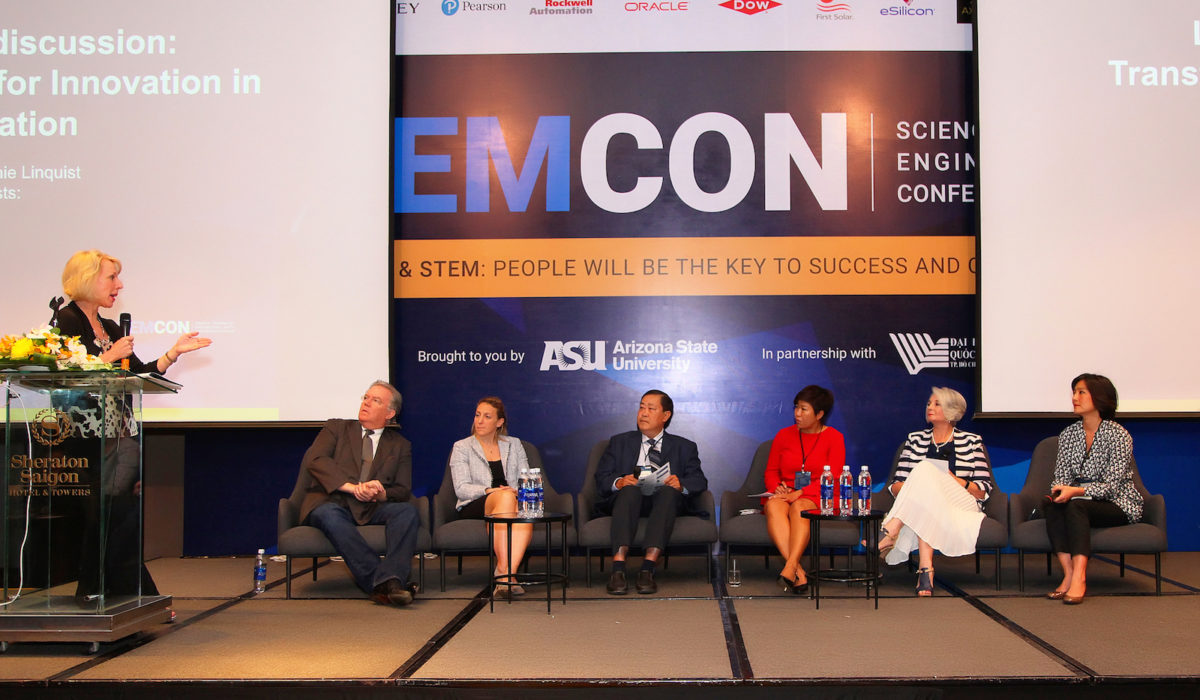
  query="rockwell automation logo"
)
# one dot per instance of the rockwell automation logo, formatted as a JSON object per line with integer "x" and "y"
{"x": 919, "y": 350}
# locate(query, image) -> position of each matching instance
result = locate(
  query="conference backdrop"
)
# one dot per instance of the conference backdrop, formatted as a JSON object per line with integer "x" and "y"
{"x": 584, "y": 217}
{"x": 726, "y": 201}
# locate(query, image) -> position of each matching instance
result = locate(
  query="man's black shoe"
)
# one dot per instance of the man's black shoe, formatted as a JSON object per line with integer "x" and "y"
{"x": 391, "y": 592}
{"x": 617, "y": 584}
{"x": 645, "y": 582}
{"x": 398, "y": 594}
{"x": 379, "y": 594}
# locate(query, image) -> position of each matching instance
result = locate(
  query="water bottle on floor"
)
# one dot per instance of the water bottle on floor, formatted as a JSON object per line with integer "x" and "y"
{"x": 864, "y": 491}
{"x": 846, "y": 491}
{"x": 260, "y": 572}
{"x": 826, "y": 491}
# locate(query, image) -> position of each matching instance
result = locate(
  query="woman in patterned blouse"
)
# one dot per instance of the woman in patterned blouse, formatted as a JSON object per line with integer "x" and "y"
{"x": 1093, "y": 482}
{"x": 941, "y": 482}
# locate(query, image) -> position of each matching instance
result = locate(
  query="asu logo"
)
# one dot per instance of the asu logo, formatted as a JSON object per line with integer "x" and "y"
{"x": 50, "y": 427}
{"x": 572, "y": 355}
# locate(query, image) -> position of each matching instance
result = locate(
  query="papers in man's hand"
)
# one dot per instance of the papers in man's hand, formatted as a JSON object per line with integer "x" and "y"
{"x": 651, "y": 477}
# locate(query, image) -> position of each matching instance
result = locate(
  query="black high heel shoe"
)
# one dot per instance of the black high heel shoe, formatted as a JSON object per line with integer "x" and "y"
{"x": 787, "y": 585}
{"x": 799, "y": 588}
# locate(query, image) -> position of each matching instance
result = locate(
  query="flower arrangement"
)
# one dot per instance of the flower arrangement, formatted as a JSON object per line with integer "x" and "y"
{"x": 47, "y": 347}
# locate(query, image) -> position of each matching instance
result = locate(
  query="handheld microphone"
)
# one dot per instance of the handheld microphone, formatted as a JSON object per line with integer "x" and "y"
{"x": 126, "y": 323}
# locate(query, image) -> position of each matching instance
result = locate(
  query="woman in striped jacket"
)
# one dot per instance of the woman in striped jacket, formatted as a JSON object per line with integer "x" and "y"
{"x": 941, "y": 483}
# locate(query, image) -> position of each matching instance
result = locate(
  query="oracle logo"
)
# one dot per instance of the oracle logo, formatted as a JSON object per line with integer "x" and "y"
{"x": 679, "y": 6}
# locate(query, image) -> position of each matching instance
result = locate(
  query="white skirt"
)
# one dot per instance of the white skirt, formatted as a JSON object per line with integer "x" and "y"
{"x": 934, "y": 508}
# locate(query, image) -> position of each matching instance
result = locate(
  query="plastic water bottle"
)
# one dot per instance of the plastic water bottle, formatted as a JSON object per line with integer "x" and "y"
{"x": 260, "y": 572}
{"x": 826, "y": 491}
{"x": 539, "y": 495}
{"x": 846, "y": 491}
{"x": 864, "y": 490}
{"x": 523, "y": 494}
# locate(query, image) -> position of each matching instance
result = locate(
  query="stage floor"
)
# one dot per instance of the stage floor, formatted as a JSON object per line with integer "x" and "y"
{"x": 696, "y": 635}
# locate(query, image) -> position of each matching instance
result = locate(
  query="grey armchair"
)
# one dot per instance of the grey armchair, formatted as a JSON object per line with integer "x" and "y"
{"x": 993, "y": 532}
{"x": 750, "y": 530}
{"x": 470, "y": 536}
{"x": 1028, "y": 529}
{"x": 595, "y": 531}
{"x": 296, "y": 540}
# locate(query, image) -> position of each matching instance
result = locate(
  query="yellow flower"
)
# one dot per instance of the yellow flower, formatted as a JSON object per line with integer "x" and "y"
{"x": 21, "y": 349}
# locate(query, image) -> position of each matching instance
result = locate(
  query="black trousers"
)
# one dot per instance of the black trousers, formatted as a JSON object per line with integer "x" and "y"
{"x": 659, "y": 509}
{"x": 1070, "y": 524}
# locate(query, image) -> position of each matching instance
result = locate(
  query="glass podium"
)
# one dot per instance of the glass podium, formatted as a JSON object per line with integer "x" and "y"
{"x": 72, "y": 508}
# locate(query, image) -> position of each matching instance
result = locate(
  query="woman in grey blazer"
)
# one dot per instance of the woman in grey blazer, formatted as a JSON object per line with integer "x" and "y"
{"x": 485, "y": 468}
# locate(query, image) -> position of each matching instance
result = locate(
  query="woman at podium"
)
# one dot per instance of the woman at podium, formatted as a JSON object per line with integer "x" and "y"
{"x": 92, "y": 280}
{"x": 105, "y": 433}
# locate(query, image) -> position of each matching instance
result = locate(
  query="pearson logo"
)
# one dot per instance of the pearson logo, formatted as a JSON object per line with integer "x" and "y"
{"x": 919, "y": 350}
{"x": 573, "y": 355}
{"x": 750, "y": 7}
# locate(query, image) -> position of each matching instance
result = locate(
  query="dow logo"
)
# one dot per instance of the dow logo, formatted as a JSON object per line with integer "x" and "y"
{"x": 573, "y": 355}
{"x": 750, "y": 7}
{"x": 919, "y": 351}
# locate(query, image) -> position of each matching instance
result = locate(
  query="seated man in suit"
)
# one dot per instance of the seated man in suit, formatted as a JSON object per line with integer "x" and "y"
{"x": 359, "y": 477}
{"x": 617, "y": 480}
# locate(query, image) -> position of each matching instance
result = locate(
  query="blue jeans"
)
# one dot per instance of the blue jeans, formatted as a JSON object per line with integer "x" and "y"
{"x": 401, "y": 524}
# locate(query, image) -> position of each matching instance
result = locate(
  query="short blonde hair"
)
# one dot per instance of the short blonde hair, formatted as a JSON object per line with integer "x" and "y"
{"x": 954, "y": 406}
{"x": 81, "y": 271}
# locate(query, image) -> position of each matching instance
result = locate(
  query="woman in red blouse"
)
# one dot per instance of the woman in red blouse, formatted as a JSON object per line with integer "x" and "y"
{"x": 804, "y": 448}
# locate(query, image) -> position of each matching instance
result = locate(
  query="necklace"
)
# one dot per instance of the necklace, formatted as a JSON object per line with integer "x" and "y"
{"x": 803, "y": 452}
{"x": 102, "y": 339}
{"x": 940, "y": 445}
